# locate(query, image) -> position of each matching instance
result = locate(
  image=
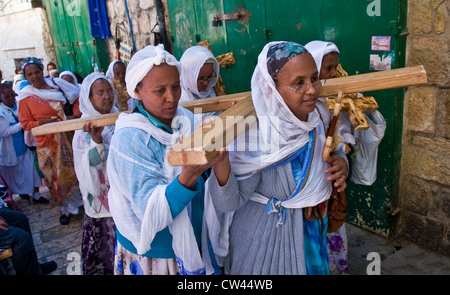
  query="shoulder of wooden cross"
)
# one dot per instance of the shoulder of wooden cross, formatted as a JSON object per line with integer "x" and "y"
{"x": 224, "y": 59}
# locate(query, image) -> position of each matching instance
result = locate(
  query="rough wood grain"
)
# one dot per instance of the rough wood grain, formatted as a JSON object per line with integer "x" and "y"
{"x": 206, "y": 142}
{"x": 360, "y": 83}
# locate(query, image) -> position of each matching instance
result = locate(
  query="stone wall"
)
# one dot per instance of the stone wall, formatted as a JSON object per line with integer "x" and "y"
{"x": 143, "y": 20}
{"x": 425, "y": 171}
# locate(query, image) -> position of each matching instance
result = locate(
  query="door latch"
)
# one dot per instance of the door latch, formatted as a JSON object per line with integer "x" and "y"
{"x": 217, "y": 20}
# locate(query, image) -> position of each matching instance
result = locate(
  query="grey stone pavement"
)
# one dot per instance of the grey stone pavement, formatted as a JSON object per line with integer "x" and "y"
{"x": 62, "y": 243}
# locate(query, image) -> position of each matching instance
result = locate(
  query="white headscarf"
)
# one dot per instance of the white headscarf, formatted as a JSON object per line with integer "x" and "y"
{"x": 154, "y": 214}
{"x": 110, "y": 72}
{"x": 281, "y": 132}
{"x": 75, "y": 80}
{"x": 143, "y": 61}
{"x": 86, "y": 107}
{"x": 319, "y": 49}
{"x": 192, "y": 61}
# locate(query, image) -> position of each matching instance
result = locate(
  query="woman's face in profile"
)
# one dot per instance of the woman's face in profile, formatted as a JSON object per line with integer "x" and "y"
{"x": 160, "y": 92}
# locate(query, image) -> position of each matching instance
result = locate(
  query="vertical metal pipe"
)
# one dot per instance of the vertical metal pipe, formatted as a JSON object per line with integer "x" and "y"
{"x": 131, "y": 28}
{"x": 162, "y": 24}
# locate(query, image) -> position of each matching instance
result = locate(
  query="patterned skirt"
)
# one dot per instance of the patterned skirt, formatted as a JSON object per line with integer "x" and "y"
{"x": 97, "y": 246}
{"x": 56, "y": 163}
{"x": 127, "y": 263}
{"x": 337, "y": 252}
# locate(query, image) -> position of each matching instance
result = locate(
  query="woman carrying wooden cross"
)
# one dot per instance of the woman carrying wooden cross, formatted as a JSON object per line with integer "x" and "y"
{"x": 158, "y": 209}
{"x": 267, "y": 189}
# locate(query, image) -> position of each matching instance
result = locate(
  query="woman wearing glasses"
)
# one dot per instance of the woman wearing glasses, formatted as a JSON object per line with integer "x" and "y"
{"x": 262, "y": 193}
{"x": 90, "y": 153}
{"x": 199, "y": 75}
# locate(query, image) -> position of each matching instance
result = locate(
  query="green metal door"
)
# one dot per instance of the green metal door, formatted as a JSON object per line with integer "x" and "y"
{"x": 350, "y": 24}
{"x": 70, "y": 31}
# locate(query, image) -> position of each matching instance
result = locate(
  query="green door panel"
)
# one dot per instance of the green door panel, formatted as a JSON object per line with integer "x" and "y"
{"x": 348, "y": 23}
{"x": 245, "y": 39}
{"x": 74, "y": 46}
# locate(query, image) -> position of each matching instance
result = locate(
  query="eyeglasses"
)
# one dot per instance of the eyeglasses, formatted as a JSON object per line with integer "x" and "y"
{"x": 207, "y": 79}
{"x": 302, "y": 88}
{"x": 103, "y": 94}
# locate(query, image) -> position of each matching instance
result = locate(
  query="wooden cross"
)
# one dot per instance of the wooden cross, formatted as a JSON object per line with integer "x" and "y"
{"x": 353, "y": 105}
{"x": 195, "y": 152}
{"x": 192, "y": 153}
{"x": 224, "y": 60}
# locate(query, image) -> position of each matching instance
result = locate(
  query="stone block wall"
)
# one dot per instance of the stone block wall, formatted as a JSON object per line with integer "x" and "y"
{"x": 425, "y": 170}
{"x": 143, "y": 19}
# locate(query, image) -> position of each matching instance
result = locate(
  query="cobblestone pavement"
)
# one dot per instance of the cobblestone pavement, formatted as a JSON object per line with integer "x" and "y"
{"x": 52, "y": 240}
{"x": 62, "y": 243}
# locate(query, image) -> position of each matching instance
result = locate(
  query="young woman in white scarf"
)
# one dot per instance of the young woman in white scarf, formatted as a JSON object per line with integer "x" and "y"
{"x": 46, "y": 101}
{"x": 326, "y": 56}
{"x": 70, "y": 77}
{"x": 90, "y": 152}
{"x": 265, "y": 189}
{"x": 17, "y": 160}
{"x": 199, "y": 75}
{"x": 157, "y": 209}
{"x": 116, "y": 74}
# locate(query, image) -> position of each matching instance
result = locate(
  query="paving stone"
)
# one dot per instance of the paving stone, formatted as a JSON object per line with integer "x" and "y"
{"x": 54, "y": 242}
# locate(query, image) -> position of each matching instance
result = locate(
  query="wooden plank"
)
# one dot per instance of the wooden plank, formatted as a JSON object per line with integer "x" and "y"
{"x": 360, "y": 83}
{"x": 214, "y": 104}
{"x": 76, "y": 124}
{"x": 375, "y": 81}
{"x": 205, "y": 143}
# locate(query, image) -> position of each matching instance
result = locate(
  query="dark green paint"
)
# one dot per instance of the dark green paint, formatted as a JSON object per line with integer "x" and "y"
{"x": 344, "y": 22}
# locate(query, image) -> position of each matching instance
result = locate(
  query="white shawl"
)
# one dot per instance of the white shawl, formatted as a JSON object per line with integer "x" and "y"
{"x": 280, "y": 132}
{"x": 90, "y": 176}
{"x": 318, "y": 50}
{"x": 75, "y": 80}
{"x": 110, "y": 72}
{"x": 70, "y": 91}
{"x": 141, "y": 226}
{"x": 192, "y": 61}
{"x": 140, "y": 220}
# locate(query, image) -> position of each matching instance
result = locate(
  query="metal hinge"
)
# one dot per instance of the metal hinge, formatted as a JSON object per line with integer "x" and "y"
{"x": 217, "y": 20}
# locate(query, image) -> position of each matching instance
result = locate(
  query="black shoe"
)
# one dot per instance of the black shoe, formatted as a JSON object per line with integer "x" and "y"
{"x": 41, "y": 200}
{"x": 24, "y": 196}
{"x": 48, "y": 267}
{"x": 64, "y": 220}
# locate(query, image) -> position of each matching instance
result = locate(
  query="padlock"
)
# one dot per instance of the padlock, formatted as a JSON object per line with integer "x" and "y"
{"x": 215, "y": 22}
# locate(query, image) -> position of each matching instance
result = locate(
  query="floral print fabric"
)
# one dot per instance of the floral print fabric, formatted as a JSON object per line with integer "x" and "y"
{"x": 97, "y": 248}
{"x": 127, "y": 263}
{"x": 337, "y": 252}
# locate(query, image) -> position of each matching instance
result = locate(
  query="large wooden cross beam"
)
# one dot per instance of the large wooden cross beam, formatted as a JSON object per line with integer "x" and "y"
{"x": 359, "y": 83}
{"x": 202, "y": 145}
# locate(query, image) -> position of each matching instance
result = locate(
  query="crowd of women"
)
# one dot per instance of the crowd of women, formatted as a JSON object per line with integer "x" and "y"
{"x": 242, "y": 213}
